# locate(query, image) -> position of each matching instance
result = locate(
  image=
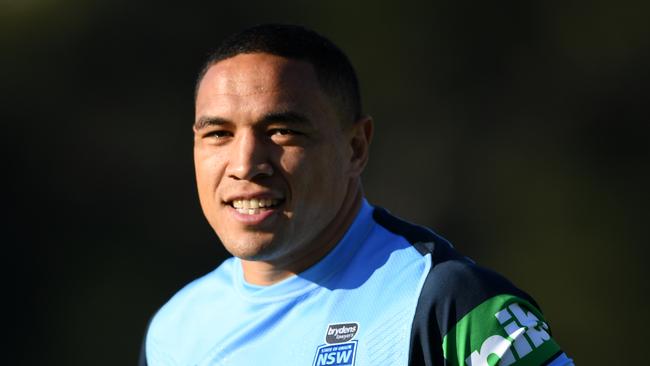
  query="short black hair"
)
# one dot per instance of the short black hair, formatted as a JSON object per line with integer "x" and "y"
{"x": 333, "y": 69}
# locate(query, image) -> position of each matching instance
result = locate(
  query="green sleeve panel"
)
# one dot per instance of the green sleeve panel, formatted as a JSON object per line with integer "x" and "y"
{"x": 503, "y": 330}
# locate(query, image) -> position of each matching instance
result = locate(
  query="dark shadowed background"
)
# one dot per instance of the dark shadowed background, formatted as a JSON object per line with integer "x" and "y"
{"x": 517, "y": 129}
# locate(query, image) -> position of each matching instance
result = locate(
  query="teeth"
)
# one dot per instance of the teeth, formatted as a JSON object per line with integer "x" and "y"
{"x": 249, "y": 211}
{"x": 253, "y": 206}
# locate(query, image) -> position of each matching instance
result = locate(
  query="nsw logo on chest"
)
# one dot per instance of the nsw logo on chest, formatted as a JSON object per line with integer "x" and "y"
{"x": 340, "y": 347}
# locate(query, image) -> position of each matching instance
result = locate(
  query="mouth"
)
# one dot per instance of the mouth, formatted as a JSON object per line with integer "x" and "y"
{"x": 254, "y": 206}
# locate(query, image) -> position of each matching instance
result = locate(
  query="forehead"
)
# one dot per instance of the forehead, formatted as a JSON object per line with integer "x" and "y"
{"x": 258, "y": 76}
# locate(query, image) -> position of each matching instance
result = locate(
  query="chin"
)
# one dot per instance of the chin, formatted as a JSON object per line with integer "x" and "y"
{"x": 252, "y": 250}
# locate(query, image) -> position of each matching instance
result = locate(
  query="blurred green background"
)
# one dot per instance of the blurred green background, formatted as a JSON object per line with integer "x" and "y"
{"x": 517, "y": 129}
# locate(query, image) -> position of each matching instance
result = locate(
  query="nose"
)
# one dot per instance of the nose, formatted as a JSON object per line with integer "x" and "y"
{"x": 249, "y": 157}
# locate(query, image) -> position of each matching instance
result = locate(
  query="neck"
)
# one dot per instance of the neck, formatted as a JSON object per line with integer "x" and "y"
{"x": 266, "y": 273}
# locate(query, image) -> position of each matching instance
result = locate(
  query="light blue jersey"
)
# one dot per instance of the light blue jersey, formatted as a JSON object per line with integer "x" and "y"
{"x": 375, "y": 299}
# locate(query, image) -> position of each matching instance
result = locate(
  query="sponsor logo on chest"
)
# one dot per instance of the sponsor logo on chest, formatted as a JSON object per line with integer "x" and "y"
{"x": 340, "y": 348}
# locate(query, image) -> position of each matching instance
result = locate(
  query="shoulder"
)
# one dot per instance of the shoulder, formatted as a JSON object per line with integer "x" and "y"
{"x": 467, "y": 313}
{"x": 454, "y": 280}
{"x": 179, "y": 317}
{"x": 195, "y": 293}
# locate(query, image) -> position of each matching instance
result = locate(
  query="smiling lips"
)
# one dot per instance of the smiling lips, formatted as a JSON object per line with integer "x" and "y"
{"x": 254, "y": 206}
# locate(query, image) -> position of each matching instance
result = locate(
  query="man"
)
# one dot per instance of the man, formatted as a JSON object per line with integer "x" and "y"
{"x": 319, "y": 276}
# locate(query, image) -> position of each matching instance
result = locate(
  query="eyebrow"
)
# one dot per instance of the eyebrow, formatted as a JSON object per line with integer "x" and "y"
{"x": 206, "y": 121}
{"x": 290, "y": 117}
{"x": 293, "y": 118}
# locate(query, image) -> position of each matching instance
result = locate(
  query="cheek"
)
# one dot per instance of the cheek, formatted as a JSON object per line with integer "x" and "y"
{"x": 208, "y": 171}
{"x": 315, "y": 173}
{"x": 291, "y": 161}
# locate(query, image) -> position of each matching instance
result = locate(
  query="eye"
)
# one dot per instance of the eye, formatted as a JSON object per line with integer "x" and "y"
{"x": 216, "y": 137}
{"x": 218, "y": 134}
{"x": 283, "y": 132}
{"x": 286, "y": 136}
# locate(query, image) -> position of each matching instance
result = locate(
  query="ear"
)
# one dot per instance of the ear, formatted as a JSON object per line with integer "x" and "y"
{"x": 359, "y": 138}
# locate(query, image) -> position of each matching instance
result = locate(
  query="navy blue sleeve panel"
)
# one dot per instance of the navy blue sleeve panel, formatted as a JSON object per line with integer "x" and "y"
{"x": 454, "y": 286}
{"x": 452, "y": 289}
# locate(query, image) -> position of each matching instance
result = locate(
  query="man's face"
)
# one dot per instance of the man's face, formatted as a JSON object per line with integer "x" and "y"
{"x": 271, "y": 155}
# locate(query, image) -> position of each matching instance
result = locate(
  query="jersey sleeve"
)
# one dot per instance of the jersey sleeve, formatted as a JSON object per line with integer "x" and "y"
{"x": 470, "y": 316}
{"x": 503, "y": 330}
